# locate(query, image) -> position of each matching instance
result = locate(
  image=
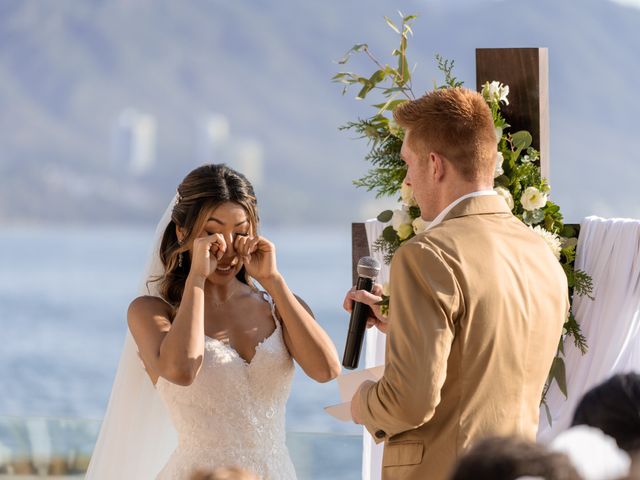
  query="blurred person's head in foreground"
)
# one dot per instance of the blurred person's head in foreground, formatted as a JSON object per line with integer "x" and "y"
{"x": 614, "y": 407}
{"x": 511, "y": 458}
{"x": 595, "y": 455}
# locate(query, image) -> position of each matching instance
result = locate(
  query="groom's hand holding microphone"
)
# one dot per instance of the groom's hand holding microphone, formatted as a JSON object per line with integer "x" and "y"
{"x": 362, "y": 301}
{"x": 372, "y": 299}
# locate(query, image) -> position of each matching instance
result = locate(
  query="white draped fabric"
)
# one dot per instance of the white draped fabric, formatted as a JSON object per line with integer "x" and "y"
{"x": 136, "y": 437}
{"x": 608, "y": 250}
{"x": 374, "y": 356}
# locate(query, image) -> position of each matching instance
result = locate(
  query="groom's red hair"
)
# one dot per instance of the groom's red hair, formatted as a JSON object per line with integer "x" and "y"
{"x": 456, "y": 123}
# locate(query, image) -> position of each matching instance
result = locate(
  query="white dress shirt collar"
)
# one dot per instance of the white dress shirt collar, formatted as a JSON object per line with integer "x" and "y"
{"x": 444, "y": 212}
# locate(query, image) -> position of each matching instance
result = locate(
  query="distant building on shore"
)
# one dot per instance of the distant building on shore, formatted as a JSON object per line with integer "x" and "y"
{"x": 214, "y": 144}
{"x": 133, "y": 148}
{"x": 247, "y": 157}
{"x": 212, "y": 138}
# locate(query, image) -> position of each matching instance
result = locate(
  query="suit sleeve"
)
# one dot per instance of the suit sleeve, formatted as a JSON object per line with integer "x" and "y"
{"x": 425, "y": 300}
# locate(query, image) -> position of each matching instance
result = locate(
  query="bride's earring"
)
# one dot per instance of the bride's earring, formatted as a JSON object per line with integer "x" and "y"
{"x": 180, "y": 255}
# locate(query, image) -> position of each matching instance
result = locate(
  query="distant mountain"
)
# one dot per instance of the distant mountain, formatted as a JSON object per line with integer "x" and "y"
{"x": 68, "y": 68}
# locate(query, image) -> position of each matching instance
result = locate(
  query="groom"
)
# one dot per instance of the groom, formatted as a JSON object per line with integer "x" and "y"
{"x": 477, "y": 302}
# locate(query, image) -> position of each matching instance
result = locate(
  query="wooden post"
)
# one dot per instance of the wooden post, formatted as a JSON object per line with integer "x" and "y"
{"x": 359, "y": 248}
{"x": 526, "y": 72}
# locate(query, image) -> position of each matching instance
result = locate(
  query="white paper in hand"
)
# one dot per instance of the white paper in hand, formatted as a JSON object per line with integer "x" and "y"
{"x": 348, "y": 385}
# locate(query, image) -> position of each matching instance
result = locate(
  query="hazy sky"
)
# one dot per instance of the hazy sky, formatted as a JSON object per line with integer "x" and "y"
{"x": 632, "y": 3}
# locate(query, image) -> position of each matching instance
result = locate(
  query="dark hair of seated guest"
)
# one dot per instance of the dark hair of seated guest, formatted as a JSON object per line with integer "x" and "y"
{"x": 614, "y": 407}
{"x": 508, "y": 458}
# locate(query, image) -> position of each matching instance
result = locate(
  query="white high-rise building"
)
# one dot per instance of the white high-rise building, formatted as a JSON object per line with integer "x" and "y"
{"x": 213, "y": 137}
{"x": 134, "y": 143}
{"x": 248, "y": 158}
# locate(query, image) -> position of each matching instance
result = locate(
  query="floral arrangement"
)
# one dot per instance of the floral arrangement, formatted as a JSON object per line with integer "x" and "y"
{"x": 517, "y": 174}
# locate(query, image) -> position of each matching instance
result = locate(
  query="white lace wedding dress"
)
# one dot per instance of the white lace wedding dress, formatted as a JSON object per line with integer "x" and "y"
{"x": 233, "y": 414}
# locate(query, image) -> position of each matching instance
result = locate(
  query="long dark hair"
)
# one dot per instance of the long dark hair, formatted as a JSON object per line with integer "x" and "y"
{"x": 201, "y": 191}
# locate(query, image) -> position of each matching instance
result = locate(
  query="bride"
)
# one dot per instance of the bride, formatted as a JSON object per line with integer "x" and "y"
{"x": 216, "y": 350}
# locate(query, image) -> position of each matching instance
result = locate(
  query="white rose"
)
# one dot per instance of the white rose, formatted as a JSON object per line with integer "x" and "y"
{"x": 419, "y": 225}
{"x": 404, "y": 231}
{"x": 553, "y": 240}
{"x": 533, "y": 199}
{"x": 499, "y": 161}
{"x": 526, "y": 159}
{"x": 506, "y": 194}
{"x": 400, "y": 216}
{"x": 407, "y": 195}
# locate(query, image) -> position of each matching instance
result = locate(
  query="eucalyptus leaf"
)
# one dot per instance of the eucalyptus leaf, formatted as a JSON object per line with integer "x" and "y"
{"x": 390, "y": 235}
{"x": 385, "y": 216}
{"x": 521, "y": 139}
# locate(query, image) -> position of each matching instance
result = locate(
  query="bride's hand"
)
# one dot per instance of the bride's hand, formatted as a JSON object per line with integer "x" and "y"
{"x": 206, "y": 253}
{"x": 259, "y": 257}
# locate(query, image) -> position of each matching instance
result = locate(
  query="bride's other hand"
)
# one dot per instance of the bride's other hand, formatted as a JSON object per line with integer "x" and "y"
{"x": 259, "y": 257}
{"x": 206, "y": 253}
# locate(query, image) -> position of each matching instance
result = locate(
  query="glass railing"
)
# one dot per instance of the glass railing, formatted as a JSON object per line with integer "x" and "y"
{"x": 60, "y": 448}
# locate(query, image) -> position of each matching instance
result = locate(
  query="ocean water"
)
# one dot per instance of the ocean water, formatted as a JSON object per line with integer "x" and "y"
{"x": 63, "y": 299}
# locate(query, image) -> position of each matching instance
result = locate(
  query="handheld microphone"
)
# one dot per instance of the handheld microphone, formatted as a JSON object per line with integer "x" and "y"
{"x": 368, "y": 270}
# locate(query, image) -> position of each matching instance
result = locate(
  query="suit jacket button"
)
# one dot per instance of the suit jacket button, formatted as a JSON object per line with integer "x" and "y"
{"x": 381, "y": 434}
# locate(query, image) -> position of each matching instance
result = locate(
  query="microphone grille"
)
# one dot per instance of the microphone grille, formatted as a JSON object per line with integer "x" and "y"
{"x": 368, "y": 267}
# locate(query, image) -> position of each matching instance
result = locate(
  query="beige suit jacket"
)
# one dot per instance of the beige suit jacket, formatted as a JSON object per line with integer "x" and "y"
{"x": 477, "y": 308}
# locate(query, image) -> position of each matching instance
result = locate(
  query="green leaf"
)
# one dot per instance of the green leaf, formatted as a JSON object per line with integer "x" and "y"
{"x": 414, "y": 212}
{"x": 358, "y": 47}
{"x": 390, "y": 235}
{"x": 385, "y": 216}
{"x": 408, "y": 18}
{"x": 389, "y": 105}
{"x": 393, "y": 89}
{"x": 568, "y": 232}
{"x": 558, "y": 373}
{"x": 391, "y": 24}
{"x": 521, "y": 139}
{"x": 366, "y": 89}
{"x": 377, "y": 77}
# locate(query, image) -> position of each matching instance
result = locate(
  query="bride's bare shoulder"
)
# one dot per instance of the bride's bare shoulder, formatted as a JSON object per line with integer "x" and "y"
{"x": 147, "y": 308}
